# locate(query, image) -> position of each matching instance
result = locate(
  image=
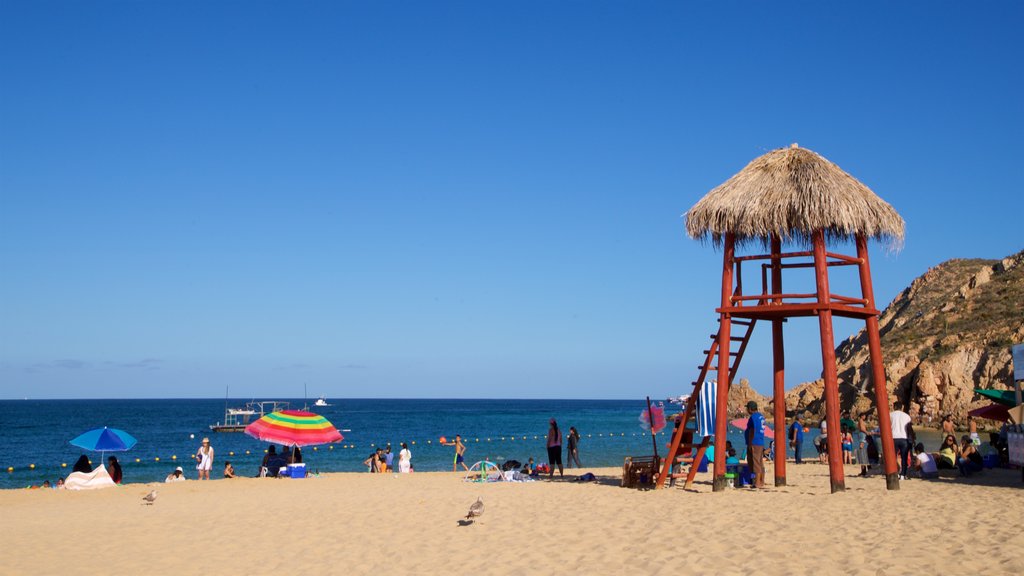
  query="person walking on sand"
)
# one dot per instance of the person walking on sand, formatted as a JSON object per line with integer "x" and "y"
{"x": 900, "y": 430}
{"x": 554, "y": 449}
{"x": 754, "y": 435}
{"x": 404, "y": 459}
{"x": 796, "y": 437}
{"x": 460, "y": 451}
{"x": 204, "y": 459}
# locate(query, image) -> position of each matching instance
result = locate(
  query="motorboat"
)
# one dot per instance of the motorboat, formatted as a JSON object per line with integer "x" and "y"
{"x": 236, "y": 419}
{"x": 680, "y": 400}
{"x": 321, "y": 401}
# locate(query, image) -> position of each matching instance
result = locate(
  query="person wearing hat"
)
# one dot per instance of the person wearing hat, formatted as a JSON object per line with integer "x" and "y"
{"x": 796, "y": 436}
{"x": 204, "y": 459}
{"x": 177, "y": 476}
{"x": 754, "y": 435}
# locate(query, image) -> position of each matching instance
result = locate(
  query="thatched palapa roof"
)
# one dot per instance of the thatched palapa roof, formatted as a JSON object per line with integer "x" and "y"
{"x": 792, "y": 192}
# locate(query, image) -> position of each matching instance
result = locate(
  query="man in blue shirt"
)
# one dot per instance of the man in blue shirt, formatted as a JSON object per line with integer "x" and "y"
{"x": 796, "y": 436}
{"x": 754, "y": 435}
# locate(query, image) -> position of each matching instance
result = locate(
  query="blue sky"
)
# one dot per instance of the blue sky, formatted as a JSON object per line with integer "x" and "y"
{"x": 456, "y": 199}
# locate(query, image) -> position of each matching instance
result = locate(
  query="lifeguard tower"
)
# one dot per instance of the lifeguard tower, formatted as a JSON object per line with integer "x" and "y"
{"x": 796, "y": 197}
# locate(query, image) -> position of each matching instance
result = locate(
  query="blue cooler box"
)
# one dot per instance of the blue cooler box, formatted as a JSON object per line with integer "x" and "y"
{"x": 297, "y": 470}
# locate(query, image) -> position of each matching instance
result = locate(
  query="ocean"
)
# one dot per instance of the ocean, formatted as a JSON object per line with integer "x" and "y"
{"x": 37, "y": 433}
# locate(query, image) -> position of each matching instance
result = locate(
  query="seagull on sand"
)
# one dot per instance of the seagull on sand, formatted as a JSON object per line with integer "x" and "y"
{"x": 150, "y": 498}
{"x": 476, "y": 510}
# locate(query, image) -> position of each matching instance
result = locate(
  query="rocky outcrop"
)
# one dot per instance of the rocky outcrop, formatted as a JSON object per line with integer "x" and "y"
{"x": 741, "y": 393}
{"x": 947, "y": 333}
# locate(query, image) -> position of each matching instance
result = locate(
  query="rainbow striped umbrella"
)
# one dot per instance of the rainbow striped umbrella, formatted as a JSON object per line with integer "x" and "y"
{"x": 294, "y": 428}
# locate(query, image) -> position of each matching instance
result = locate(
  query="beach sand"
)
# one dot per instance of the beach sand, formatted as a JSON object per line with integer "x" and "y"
{"x": 409, "y": 524}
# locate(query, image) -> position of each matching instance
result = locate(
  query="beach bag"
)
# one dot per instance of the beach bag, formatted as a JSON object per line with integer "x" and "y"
{"x": 511, "y": 465}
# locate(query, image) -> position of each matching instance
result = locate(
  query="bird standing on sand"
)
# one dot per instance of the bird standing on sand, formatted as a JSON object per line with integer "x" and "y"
{"x": 476, "y": 510}
{"x": 150, "y": 498}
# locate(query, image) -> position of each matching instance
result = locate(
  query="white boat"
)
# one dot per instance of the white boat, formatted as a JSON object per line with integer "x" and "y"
{"x": 680, "y": 400}
{"x": 321, "y": 401}
{"x": 236, "y": 419}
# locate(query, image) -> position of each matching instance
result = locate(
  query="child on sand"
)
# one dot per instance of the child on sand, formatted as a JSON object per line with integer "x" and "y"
{"x": 460, "y": 451}
{"x": 847, "y": 440}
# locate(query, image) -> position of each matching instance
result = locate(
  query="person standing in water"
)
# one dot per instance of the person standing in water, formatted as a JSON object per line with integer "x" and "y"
{"x": 460, "y": 451}
{"x": 204, "y": 459}
{"x": 554, "y": 449}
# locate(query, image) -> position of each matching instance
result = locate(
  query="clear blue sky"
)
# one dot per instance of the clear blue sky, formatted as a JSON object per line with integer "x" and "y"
{"x": 456, "y": 199}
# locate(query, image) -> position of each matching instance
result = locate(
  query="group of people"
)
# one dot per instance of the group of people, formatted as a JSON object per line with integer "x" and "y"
{"x": 382, "y": 460}
{"x": 553, "y": 443}
{"x": 855, "y": 439}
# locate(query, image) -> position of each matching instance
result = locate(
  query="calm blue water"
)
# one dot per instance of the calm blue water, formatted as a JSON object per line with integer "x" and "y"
{"x": 37, "y": 432}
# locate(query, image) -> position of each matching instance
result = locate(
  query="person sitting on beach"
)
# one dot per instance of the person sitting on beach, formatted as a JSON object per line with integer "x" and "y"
{"x": 177, "y": 476}
{"x": 264, "y": 465}
{"x": 114, "y": 469}
{"x": 275, "y": 462}
{"x": 529, "y": 469}
{"x": 60, "y": 483}
{"x": 82, "y": 465}
{"x": 948, "y": 453}
{"x": 296, "y": 455}
{"x": 285, "y": 453}
{"x": 373, "y": 462}
{"x": 925, "y": 463}
{"x": 229, "y": 470}
{"x": 970, "y": 460}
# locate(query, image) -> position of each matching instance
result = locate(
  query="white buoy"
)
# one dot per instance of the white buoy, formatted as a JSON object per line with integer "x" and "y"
{"x": 191, "y": 436}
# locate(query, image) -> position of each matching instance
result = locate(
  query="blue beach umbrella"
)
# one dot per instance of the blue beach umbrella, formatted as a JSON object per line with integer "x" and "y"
{"x": 105, "y": 440}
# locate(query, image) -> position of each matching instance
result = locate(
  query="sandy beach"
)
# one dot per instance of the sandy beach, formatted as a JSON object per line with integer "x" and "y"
{"x": 363, "y": 523}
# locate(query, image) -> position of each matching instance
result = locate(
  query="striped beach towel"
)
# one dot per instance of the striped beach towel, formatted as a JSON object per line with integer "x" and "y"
{"x": 706, "y": 402}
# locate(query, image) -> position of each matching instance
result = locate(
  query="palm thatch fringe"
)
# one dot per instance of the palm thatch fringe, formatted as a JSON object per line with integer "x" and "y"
{"x": 792, "y": 192}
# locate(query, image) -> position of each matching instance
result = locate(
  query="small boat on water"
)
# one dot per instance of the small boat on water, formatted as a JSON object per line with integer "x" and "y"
{"x": 321, "y": 401}
{"x": 680, "y": 400}
{"x": 236, "y": 419}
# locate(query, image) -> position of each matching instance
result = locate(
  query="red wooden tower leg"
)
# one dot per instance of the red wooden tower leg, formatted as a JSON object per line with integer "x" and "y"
{"x": 828, "y": 360}
{"x": 722, "y": 397}
{"x": 779, "y": 362}
{"x": 892, "y": 479}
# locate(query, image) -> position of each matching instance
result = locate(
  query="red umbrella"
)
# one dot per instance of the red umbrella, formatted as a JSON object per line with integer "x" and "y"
{"x": 294, "y": 428}
{"x": 741, "y": 423}
{"x": 992, "y": 412}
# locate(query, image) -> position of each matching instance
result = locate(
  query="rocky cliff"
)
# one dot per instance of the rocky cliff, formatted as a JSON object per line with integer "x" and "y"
{"x": 949, "y": 332}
